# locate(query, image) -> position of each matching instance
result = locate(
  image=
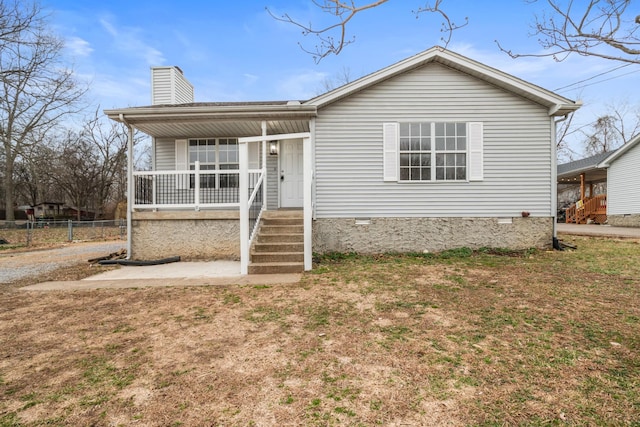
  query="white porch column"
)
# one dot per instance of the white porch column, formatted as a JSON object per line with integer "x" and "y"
{"x": 307, "y": 204}
{"x": 243, "y": 153}
{"x": 130, "y": 184}
{"x": 264, "y": 164}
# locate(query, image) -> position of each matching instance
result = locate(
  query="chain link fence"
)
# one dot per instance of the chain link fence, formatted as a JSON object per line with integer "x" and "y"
{"x": 42, "y": 232}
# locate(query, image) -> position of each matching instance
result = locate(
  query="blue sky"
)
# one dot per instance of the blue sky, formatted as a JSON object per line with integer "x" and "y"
{"x": 234, "y": 51}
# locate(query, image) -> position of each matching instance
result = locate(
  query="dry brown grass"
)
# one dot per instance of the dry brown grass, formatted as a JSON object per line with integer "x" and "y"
{"x": 535, "y": 339}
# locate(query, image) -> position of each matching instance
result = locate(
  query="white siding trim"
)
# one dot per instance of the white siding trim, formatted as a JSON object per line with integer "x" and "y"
{"x": 182, "y": 163}
{"x": 476, "y": 156}
{"x": 390, "y": 148}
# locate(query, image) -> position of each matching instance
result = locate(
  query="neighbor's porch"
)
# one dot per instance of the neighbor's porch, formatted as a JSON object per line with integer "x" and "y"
{"x": 590, "y": 207}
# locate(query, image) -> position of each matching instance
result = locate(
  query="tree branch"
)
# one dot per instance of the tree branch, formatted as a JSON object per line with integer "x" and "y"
{"x": 602, "y": 29}
{"x": 333, "y": 38}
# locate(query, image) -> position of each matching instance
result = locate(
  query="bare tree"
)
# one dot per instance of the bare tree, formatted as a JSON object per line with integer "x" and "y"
{"x": 109, "y": 142}
{"x": 612, "y": 129}
{"x": 37, "y": 89}
{"x": 333, "y": 37}
{"x": 33, "y": 176}
{"x": 339, "y": 79}
{"x": 599, "y": 28}
{"x": 564, "y": 130}
{"x": 76, "y": 170}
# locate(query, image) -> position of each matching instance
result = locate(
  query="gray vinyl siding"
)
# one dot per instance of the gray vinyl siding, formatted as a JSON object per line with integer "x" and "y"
{"x": 169, "y": 86}
{"x": 165, "y": 154}
{"x": 161, "y": 85}
{"x": 165, "y": 160}
{"x": 272, "y": 182}
{"x": 349, "y": 152}
{"x": 623, "y": 179}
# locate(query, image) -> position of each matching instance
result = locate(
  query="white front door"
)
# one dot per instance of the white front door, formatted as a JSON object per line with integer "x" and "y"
{"x": 291, "y": 174}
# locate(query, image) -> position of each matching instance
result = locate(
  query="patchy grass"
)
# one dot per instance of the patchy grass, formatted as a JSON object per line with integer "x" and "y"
{"x": 459, "y": 338}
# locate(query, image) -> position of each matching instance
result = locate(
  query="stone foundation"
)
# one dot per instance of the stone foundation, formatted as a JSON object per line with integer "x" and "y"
{"x": 383, "y": 235}
{"x": 190, "y": 235}
{"x": 631, "y": 220}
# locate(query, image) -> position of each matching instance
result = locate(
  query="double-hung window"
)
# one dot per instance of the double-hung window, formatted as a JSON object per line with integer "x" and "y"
{"x": 214, "y": 154}
{"x": 431, "y": 151}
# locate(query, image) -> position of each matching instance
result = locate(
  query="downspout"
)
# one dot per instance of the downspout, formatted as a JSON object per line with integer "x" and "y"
{"x": 130, "y": 195}
{"x": 554, "y": 174}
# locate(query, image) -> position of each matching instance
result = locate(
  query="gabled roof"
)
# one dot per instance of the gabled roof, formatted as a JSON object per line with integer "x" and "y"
{"x": 557, "y": 105}
{"x": 619, "y": 152}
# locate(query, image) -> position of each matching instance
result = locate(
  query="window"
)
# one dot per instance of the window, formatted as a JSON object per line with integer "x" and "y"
{"x": 433, "y": 151}
{"x": 214, "y": 154}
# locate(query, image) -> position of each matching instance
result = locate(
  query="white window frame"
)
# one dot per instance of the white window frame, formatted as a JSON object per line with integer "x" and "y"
{"x": 434, "y": 135}
{"x": 216, "y": 163}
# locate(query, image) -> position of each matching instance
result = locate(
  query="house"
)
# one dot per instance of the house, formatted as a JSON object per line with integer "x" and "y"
{"x": 612, "y": 179}
{"x": 434, "y": 152}
{"x": 49, "y": 210}
{"x": 623, "y": 181}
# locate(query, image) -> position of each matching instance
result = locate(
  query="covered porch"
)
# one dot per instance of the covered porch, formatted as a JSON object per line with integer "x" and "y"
{"x": 217, "y": 206}
{"x": 584, "y": 175}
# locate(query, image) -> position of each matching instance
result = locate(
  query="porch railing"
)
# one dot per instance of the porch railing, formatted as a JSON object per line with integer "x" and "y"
{"x": 256, "y": 207}
{"x": 591, "y": 208}
{"x": 191, "y": 189}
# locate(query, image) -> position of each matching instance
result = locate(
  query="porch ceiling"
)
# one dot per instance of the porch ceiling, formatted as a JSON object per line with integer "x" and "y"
{"x": 215, "y": 120}
{"x": 592, "y": 175}
{"x": 219, "y": 128}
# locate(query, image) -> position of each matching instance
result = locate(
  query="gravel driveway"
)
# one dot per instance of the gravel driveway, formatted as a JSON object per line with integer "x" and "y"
{"x": 18, "y": 265}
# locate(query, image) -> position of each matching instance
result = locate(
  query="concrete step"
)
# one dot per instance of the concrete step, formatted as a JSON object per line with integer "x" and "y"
{"x": 281, "y": 238}
{"x": 282, "y": 221}
{"x": 297, "y": 213}
{"x": 278, "y": 247}
{"x": 275, "y": 267}
{"x": 261, "y": 257}
{"x": 284, "y": 229}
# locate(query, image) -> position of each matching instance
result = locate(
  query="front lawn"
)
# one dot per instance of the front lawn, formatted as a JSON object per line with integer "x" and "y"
{"x": 459, "y": 338}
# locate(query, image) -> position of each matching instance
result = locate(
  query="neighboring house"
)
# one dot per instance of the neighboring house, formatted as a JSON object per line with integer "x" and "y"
{"x": 582, "y": 190}
{"x": 623, "y": 184}
{"x": 48, "y": 210}
{"x": 75, "y": 213}
{"x": 434, "y": 152}
{"x": 612, "y": 180}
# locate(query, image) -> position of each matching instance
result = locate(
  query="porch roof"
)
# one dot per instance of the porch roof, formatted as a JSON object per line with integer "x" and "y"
{"x": 220, "y": 119}
{"x": 569, "y": 173}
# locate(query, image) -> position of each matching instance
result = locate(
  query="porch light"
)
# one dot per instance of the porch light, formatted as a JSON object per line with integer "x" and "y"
{"x": 273, "y": 148}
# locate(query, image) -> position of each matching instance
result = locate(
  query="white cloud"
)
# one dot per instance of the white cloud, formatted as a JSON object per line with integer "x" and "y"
{"x": 250, "y": 79}
{"x": 301, "y": 85}
{"x": 129, "y": 41}
{"x": 78, "y": 46}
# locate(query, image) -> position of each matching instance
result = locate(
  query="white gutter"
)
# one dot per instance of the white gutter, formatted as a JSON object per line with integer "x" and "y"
{"x": 130, "y": 195}
{"x": 554, "y": 172}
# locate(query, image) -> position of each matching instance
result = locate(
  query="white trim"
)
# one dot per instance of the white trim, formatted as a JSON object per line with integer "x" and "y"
{"x": 390, "y": 164}
{"x": 300, "y": 135}
{"x": 619, "y": 152}
{"x": 130, "y": 190}
{"x": 263, "y": 165}
{"x": 243, "y": 157}
{"x": 182, "y": 162}
{"x": 475, "y": 142}
{"x": 312, "y": 130}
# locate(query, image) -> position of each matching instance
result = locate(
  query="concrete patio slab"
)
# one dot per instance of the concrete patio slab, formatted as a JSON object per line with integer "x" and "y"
{"x": 251, "y": 280}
